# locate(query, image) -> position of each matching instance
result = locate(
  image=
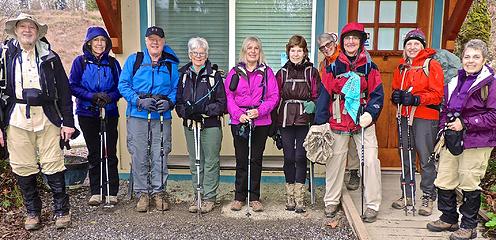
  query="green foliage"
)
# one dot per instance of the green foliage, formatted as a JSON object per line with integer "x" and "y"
{"x": 91, "y": 5}
{"x": 10, "y": 194}
{"x": 491, "y": 224}
{"x": 477, "y": 25}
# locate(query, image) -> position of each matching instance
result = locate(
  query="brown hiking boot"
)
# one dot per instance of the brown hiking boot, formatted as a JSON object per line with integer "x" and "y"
{"x": 426, "y": 207}
{"x": 464, "y": 234}
{"x": 143, "y": 203}
{"x": 95, "y": 200}
{"x": 63, "y": 221}
{"x": 331, "y": 210}
{"x": 299, "y": 191}
{"x": 400, "y": 203}
{"x": 193, "y": 207}
{"x": 113, "y": 200}
{"x": 236, "y": 205}
{"x": 290, "y": 200}
{"x": 32, "y": 222}
{"x": 370, "y": 215}
{"x": 207, "y": 206}
{"x": 354, "y": 182}
{"x": 256, "y": 206}
{"x": 439, "y": 226}
{"x": 161, "y": 203}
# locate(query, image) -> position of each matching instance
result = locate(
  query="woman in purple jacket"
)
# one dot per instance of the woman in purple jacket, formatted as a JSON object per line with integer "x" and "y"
{"x": 469, "y": 115}
{"x": 252, "y": 93}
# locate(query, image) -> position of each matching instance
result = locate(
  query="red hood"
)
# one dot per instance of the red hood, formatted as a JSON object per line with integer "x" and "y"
{"x": 350, "y": 27}
{"x": 421, "y": 56}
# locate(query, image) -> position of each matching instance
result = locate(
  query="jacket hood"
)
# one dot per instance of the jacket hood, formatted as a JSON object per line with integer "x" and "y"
{"x": 94, "y": 32}
{"x": 353, "y": 27}
{"x": 167, "y": 53}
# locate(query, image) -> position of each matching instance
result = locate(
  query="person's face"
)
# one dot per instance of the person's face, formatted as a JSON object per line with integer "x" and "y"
{"x": 198, "y": 57}
{"x": 472, "y": 60}
{"x": 327, "y": 48}
{"x": 98, "y": 45}
{"x": 351, "y": 45}
{"x": 296, "y": 54}
{"x": 155, "y": 44}
{"x": 412, "y": 48}
{"x": 252, "y": 53}
{"x": 26, "y": 32}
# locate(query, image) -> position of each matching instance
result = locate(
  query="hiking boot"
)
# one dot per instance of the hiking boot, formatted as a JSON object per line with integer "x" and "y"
{"x": 236, "y": 205}
{"x": 63, "y": 221}
{"x": 354, "y": 182}
{"x": 400, "y": 203}
{"x": 207, "y": 206}
{"x": 439, "y": 226}
{"x": 370, "y": 215}
{"x": 256, "y": 206}
{"x": 426, "y": 207}
{"x": 95, "y": 200}
{"x": 290, "y": 201}
{"x": 161, "y": 203}
{"x": 143, "y": 203}
{"x": 32, "y": 222}
{"x": 193, "y": 207}
{"x": 331, "y": 210}
{"x": 113, "y": 200}
{"x": 463, "y": 234}
{"x": 299, "y": 197}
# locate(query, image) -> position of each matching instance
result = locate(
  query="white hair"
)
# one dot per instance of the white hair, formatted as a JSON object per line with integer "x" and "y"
{"x": 197, "y": 42}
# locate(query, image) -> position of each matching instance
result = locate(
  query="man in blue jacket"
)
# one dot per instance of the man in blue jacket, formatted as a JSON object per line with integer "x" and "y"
{"x": 150, "y": 91}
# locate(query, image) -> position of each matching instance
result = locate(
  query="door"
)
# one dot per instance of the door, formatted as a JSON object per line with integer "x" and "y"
{"x": 386, "y": 23}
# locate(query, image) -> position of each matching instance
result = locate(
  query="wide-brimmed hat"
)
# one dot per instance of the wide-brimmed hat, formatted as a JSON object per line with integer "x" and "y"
{"x": 10, "y": 25}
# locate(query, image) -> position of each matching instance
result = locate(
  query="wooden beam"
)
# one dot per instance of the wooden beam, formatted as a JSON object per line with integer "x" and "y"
{"x": 455, "y": 20}
{"x": 111, "y": 14}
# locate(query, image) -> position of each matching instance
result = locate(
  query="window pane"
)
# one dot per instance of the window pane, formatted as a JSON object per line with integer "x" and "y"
{"x": 370, "y": 31}
{"x": 403, "y": 32}
{"x": 185, "y": 19}
{"x": 366, "y": 11}
{"x": 385, "y": 39}
{"x": 408, "y": 12}
{"x": 387, "y": 12}
{"x": 274, "y": 22}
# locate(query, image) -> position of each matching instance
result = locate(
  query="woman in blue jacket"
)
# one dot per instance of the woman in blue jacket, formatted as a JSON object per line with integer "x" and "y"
{"x": 93, "y": 79}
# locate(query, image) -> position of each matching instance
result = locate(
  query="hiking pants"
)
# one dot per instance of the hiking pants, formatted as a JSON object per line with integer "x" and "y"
{"x": 423, "y": 140}
{"x": 142, "y": 163}
{"x": 335, "y": 168}
{"x": 210, "y": 142}
{"x": 258, "y": 139}
{"x": 353, "y": 161}
{"x": 90, "y": 126}
{"x": 295, "y": 159}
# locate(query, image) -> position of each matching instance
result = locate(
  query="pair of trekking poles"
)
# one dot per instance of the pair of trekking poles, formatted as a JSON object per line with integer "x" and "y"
{"x": 104, "y": 157}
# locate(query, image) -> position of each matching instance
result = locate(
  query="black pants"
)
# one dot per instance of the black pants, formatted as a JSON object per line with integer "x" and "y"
{"x": 295, "y": 158}
{"x": 91, "y": 131}
{"x": 258, "y": 139}
{"x": 469, "y": 208}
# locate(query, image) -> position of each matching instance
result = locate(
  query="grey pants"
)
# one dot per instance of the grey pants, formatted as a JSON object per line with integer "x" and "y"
{"x": 142, "y": 162}
{"x": 423, "y": 139}
{"x": 210, "y": 142}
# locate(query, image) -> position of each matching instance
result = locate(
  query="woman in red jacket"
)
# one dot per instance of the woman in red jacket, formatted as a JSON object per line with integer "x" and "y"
{"x": 417, "y": 91}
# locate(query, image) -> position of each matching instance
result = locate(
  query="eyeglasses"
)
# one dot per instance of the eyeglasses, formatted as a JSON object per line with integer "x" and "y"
{"x": 351, "y": 38}
{"x": 328, "y": 45}
{"x": 198, "y": 54}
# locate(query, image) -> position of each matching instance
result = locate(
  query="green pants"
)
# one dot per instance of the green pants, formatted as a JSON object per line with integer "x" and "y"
{"x": 210, "y": 140}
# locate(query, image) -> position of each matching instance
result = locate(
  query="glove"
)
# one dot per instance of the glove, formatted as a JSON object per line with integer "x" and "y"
{"x": 197, "y": 117}
{"x": 148, "y": 104}
{"x": 309, "y": 107}
{"x": 365, "y": 120}
{"x": 162, "y": 106}
{"x": 101, "y": 99}
{"x": 410, "y": 100}
{"x": 397, "y": 95}
{"x": 192, "y": 109}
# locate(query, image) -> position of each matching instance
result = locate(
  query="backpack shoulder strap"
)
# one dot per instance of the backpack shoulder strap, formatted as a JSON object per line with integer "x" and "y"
{"x": 211, "y": 78}
{"x": 484, "y": 92}
{"x": 83, "y": 62}
{"x": 425, "y": 66}
{"x": 138, "y": 61}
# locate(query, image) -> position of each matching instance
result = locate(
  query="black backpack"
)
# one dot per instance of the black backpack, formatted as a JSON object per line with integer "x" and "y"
{"x": 139, "y": 61}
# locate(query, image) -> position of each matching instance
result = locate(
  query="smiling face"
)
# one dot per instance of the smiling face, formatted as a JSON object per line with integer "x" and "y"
{"x": 412, "y": 48}
{"x": 26, "y": 32}
{"x": 98, "y": 45}
{"x": 296, "y": 54}
{"x": 472, "y": 60}
{"x": 327, "y": 48}
{"x": 351, "y": 44}
{"x": 155, "y": 45}
{"x": 252, "y": 53}
{"x": 198, "y": 57}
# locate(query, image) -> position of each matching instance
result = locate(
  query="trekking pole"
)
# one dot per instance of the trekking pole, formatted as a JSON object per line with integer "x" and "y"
{"x": 312, "y": 186}
{"x": 402, "y": 159}
{"x": 149, "y": 150}
{"x": 362, "y": 162}
{"x": 162, "y": 155}
{"x": 196, "y": 132}
{"x": 412, "y": 174}
{"x": 250, "y": 124}
{"x": 103, "y": 129}
{"x": 102, "y": 116}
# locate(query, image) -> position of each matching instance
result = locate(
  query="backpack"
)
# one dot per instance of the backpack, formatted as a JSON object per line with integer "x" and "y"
{"x": 308, "y": 77}
{"x": 211, "y": 80}
{"x": 139, "y": 60}
{"x": 111, "y": 64}
{"x": 450, "y": 63}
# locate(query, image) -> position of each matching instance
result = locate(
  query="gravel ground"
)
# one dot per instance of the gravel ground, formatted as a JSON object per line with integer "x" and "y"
{"x": 122, "y": 222}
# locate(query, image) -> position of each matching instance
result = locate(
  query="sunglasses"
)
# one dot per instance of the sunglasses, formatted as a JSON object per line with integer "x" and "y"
{"x": 328, "y": 45}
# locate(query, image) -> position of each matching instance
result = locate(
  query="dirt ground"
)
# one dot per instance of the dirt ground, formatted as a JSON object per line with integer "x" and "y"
{"x": 123, "y": 222}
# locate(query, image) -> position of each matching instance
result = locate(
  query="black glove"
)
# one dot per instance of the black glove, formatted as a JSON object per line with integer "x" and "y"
{"x": 101, "y": 99}
{"x": 197, "y": 117}
{"x": 148, "y": 104}
{"x": 192, "y": 109}
{"x": 410, "y": 100}
{"x": 162, "y": 106}
{"x": 397, "y": 95}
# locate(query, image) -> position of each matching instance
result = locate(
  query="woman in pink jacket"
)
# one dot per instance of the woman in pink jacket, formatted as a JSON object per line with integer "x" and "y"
{"x": 252, "y": 93}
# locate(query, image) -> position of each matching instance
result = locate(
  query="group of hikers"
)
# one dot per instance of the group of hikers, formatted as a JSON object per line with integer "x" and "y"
{"x": 454, "y": 123}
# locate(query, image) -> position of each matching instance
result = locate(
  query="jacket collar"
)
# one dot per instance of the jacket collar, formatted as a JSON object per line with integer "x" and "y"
{"x": 485, "y": 73}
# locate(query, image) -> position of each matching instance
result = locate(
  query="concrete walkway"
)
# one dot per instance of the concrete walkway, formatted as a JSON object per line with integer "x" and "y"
{"x": 392, "y": 223}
